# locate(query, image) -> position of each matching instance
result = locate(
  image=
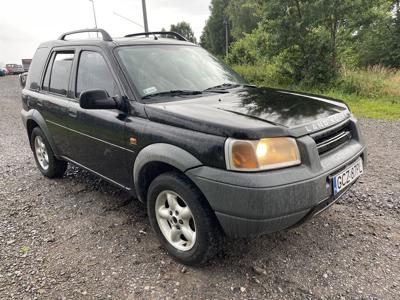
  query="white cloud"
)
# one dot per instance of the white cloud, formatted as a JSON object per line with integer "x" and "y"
{"x": 26, "y": 23}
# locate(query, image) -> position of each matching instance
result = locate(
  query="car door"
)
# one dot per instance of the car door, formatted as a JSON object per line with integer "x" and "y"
{"x": 52, "y": 99}
{"x": 97, "y": 136}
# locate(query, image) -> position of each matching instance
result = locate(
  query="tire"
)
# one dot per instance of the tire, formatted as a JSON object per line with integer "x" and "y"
{"x": 45, "y": 160}
{"x": 195, "y": 235}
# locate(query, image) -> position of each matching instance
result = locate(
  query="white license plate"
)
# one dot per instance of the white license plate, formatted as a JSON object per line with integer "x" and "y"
{"x": 347, "y": 177}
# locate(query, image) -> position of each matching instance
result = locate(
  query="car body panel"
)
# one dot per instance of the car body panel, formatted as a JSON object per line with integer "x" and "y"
{"x": 251, "y": 113}
{"x": 189, "y": 134}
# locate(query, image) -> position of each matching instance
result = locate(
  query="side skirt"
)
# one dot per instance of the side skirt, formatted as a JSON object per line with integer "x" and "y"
{"x": 125, "y": 188}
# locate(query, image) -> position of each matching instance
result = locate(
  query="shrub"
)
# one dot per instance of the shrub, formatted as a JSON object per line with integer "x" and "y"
{"x": 309, "y": 63}
{"x": 372, "y": 82}
{"x": 250, "y": 50}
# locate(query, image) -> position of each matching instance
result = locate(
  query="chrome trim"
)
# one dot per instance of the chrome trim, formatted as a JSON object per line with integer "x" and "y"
{"x": 342, "y": 135}
{"x": 89, "y": 136}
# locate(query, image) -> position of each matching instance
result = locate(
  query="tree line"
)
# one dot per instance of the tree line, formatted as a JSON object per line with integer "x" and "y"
{"x": 306, "y": 41}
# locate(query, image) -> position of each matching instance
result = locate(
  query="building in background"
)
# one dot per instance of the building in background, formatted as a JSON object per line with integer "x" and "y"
{"x": 26, "y": 64}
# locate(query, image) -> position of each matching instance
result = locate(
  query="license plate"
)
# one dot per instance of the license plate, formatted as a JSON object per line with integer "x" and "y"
{"x": 347, "y": 177}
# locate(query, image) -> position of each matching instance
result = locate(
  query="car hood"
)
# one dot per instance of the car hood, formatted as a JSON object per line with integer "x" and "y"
{"x": 251, "y": 113}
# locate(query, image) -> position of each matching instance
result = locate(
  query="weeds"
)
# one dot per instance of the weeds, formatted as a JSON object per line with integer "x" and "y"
{"x": 373, "y": 92}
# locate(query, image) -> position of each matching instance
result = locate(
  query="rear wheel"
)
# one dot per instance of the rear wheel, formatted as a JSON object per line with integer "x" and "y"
{"x": 47, "y": 163}
{"x": 185, "y": 224}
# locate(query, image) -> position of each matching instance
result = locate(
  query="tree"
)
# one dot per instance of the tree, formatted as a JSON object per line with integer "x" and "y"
{"x": 213, "y": 37}
{"x": 185, "y": 30}
{"x": 244, "y": 16}
{"x": 309, "y": 35}
{"x": 306, "y": 41}
{"x": 379, "y": 44}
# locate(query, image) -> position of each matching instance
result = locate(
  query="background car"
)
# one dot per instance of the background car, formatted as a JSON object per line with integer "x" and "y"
{"x": 5, "y": 71}
{"x": 14, "y": 69}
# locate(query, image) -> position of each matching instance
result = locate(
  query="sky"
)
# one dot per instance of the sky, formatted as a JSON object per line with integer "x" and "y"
{"x": 24, "y": 24}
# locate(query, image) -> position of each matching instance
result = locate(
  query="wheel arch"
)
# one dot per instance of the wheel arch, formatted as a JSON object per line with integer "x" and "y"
{"x": 156, "y": 159}
{"x": 32, "y": 119}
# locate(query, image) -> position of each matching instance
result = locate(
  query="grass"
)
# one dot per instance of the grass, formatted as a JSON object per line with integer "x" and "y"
{"x": 385, "y": 107}
{"x": 24, "y": 250}
{"x": 370, "y": 93}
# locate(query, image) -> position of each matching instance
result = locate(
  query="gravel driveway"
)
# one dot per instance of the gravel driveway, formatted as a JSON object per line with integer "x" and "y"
{"x": 80, "y": 238}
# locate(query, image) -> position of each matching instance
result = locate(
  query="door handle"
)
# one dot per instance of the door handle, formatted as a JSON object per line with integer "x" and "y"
{"x": 72, "y": 112}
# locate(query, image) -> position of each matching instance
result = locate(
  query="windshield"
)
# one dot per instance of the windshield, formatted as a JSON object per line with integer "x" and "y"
{"x": 160, "y": 69}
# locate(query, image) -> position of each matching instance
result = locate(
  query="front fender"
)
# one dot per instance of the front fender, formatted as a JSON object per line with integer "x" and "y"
{"x": 165, "y": 153}
{"x": 33, "y": 115}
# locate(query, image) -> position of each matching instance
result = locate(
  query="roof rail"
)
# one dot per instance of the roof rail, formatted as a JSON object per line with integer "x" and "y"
{"x": 106, "y": 36}
{"x": 177, "y": 35}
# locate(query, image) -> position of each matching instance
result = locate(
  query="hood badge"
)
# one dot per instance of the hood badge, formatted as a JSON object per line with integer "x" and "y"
{"x": 322, "y": 124}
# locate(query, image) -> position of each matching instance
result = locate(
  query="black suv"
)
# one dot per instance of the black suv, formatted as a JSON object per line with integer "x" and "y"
{"x": 210, "y": 154}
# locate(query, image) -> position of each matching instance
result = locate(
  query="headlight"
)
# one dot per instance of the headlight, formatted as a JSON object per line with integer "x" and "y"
{"x": 265, "y": 154}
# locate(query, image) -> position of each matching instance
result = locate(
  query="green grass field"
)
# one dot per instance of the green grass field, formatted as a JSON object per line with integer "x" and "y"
{"x": 385, "y": 107}
{"x": 371, "y": 93}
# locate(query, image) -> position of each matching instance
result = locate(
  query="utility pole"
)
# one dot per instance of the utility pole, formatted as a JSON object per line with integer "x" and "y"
{"x": 226, "y": 37}
{"x": 146, "y": 25}
{"x": 94, "y": 14}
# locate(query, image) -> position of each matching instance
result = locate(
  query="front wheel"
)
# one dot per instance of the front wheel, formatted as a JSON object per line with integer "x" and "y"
{"x": 184, "y": 222}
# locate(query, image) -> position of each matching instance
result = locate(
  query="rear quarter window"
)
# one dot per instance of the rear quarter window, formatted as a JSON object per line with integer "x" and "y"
{"x": 36, "y": 69}
{"x": 60, "y": 72}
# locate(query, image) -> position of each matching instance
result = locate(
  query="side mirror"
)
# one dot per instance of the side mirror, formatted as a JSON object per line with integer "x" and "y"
{"x": 97, "y": 99}
{"x": 22, "y": 79}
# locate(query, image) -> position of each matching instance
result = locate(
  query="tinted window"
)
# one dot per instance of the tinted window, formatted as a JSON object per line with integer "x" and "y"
{"x": 46, "y": 80}
{"x": 93, "y": 73}
{"x": 36, "y": 68}
{"x": 60, "y": 73}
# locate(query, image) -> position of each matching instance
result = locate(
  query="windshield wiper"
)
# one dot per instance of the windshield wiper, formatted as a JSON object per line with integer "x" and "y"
{"x": 173, "y": 93}
{"x": 221, "y": 88}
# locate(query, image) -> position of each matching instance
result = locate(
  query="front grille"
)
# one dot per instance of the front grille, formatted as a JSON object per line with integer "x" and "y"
{"x": 332, "y": 138}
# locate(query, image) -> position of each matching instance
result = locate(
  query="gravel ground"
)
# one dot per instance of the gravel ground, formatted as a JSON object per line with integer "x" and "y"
{"x": 81, "y": 238}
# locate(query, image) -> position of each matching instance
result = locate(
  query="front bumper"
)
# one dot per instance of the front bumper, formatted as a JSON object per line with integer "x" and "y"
{"x": 250, "y": 204}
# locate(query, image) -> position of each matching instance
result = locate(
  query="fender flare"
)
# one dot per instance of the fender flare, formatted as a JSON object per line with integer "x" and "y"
{"x": 34, "y": 115}
{"x": 165, "y": 153}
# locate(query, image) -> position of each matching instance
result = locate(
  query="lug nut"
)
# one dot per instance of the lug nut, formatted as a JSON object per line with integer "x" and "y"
{"x": 180, "y": 222}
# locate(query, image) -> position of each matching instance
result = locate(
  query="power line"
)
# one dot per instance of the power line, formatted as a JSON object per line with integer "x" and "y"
{"x": 127, "y": 19}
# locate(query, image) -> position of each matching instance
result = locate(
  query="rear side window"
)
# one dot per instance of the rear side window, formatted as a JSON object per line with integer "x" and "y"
{"x": 36, "y": 68}
{"x": 93, "y": 73}
{"x": 60, "y": 72}
{"x": 46, "y": 81}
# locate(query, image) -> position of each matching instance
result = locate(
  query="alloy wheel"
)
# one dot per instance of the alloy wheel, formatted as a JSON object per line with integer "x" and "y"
{"x": 175, "y": 220}
{"x": 41, "y": 153}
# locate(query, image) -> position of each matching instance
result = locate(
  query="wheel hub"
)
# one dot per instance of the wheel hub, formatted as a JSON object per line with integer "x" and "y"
{"x": 41, "y": 153}
{"x": 175, "y": 220}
